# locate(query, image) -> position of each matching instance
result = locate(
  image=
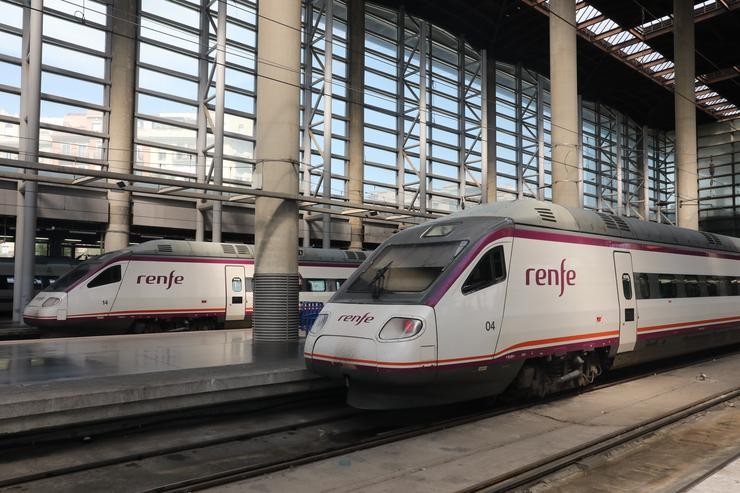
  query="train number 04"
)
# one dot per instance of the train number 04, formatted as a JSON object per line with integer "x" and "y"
{"x": 490, "y": 325}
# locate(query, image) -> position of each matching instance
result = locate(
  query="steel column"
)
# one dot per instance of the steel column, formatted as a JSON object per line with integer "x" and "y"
{"x": 356, "y": 90}
{"x": 619, "y": 163}
{"x": 201, "y": 142}
{"x": 488, "y": 122}
{"x": 540, "y": 137}
{"x": 327, "y": 95}
{"x": 218, "y": 124}
{"x": 25, "y": 230}
{"x": 423, "y": 116}
{"x": 645, "y": 166}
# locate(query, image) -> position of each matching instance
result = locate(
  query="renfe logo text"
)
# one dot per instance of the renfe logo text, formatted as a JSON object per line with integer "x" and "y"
{"x": 356, "y": 319}
{"x": 163, "y": 280}
{"x": 551, "y": 277}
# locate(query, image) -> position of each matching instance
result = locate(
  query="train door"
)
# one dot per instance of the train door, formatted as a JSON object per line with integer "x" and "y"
{"x": 627, "y": 302}
{"x": 96, "y": 296}
{"x": 235, "y": 292}
{"x": 469, "y": 322}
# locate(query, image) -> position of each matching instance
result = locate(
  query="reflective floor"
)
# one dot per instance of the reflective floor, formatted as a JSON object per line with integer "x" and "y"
{"x": 27, "y": 362}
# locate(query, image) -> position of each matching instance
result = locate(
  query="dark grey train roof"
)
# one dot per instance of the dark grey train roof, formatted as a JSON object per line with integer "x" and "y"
{"x": 549, "y": 215}
{"x": 181, "y": 248}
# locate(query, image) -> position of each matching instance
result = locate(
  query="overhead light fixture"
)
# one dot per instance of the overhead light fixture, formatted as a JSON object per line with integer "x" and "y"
{"x": 121, "y": 184}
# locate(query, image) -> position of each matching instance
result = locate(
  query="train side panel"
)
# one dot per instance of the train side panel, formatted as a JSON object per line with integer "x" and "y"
{"x": 561, "y": 296}
{"x": 155, "y": 288}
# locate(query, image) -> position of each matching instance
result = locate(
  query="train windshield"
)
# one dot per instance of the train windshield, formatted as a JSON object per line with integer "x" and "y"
{"x": 402, "y": 272}
{"x": 70, "y": 278}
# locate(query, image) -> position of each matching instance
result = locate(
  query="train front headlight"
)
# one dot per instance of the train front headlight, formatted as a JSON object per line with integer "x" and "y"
{"x": 50, "y": 301}
{"x": 318, "y": 324}
{"x": 400, "y": 328}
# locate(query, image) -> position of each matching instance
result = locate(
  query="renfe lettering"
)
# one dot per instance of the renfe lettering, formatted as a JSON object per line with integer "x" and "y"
{"x": 356, "y": 319}
{"x": 551, "y": 277}
{"x": 160, "y": 280}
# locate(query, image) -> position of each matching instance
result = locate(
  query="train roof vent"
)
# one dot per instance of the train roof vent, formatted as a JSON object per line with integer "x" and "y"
{"x": 228, "y": 248}
{"x": 546, "y": 214}
{"x": 614, "y": 222}
{"x": 712, "y": 239}
{"x": 242, "y": 249}
{"x": 164, "y": 248}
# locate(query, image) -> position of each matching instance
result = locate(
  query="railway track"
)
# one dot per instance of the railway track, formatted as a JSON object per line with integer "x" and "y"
{"x": 537, "y": 471}
{"x": 252, "y": 444}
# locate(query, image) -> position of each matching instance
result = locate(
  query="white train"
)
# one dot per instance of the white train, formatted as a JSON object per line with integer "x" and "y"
{"x": 523, "y": 295}
{"x": 167, "y": 285}
{"x": 46, "y": 271}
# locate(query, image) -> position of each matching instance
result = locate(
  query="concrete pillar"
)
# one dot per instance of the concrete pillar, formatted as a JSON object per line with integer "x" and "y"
{"x": 687, "y": 193}
{"x": 356, "y": 20}
{"x": 276, "y": 220}
{"x": 25, "y": 226}
{"x": 564, "y": 89}
{"x": 488, "y": 121}
{"x": 122, "y": 94}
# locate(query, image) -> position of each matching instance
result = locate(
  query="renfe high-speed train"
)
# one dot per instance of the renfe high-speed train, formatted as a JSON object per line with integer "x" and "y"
{"x": 166, "y": 285}
{"x": 527, "y": 296}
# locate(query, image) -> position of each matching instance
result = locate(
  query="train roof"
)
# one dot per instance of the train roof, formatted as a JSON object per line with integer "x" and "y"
{"x": 183, "y": 248}
{"x": 533, "y": 212}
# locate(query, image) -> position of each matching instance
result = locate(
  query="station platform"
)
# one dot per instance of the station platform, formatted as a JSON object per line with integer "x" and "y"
{"x": 57, "y": 382}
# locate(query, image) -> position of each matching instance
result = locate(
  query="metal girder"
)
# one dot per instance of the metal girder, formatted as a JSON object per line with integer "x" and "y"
{"x": 317, "y": 93}
{"x": 640, "y": 34}
{"x": 190, "y": 189}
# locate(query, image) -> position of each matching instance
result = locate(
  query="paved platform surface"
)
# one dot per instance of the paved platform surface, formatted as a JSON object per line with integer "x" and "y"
{"x": 726, "y": 480}
{"x": 460, "y": 457}
{"x": 54, "y": 382}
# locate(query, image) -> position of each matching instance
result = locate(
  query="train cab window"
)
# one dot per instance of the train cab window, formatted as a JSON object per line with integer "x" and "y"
{"x": 491, "y": 269}
{"x": 627, "y": 286}
{"x": 236, "y": 284}
{"x": 691, "y": 285}
{"x": 108, "y": 276}
{"x": 667, "y": 285}
{"x": 315, "y": 285}
{"x": 643, "y": 287}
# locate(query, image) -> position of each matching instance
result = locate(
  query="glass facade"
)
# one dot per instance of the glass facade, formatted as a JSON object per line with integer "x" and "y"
{"x": 425, "y": 117}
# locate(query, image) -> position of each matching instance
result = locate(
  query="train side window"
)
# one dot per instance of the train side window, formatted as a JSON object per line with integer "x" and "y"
{"x": 236, "y": 284}
{"x": 627, "y": 286}
{"x": 712, "y": 285}
{"x": 491, "y": 269}
{"x": 734, "y": 286}
{"x": 667, "y": 285}
{"x": 248, "y": 285}
{"x": 108, "y": 276}
{"x": 315, "y": 285}
{"x": 643, "y": 286}
{"x": 691, "y": 285}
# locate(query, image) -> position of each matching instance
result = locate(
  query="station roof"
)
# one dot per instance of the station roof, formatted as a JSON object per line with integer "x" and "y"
{"x": 625, "y": 49}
